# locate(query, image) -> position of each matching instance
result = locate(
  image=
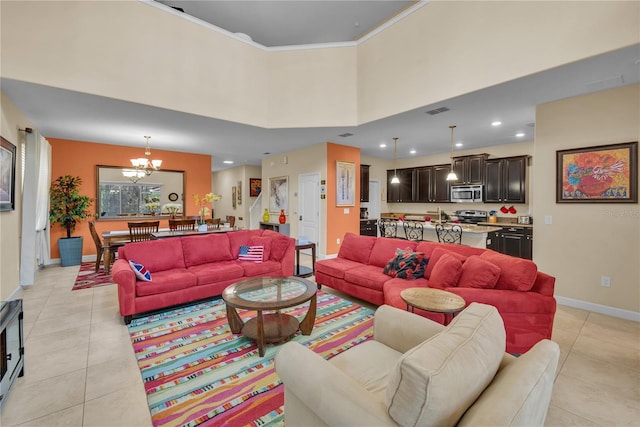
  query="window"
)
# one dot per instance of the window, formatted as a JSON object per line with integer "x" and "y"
{"x": 128, "y": 199}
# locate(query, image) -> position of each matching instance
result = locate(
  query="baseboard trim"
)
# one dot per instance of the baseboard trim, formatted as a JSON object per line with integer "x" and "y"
{"x": 599, "y": 308}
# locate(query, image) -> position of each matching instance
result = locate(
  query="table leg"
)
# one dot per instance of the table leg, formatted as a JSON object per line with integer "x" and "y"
{"x": 260, "y": 334}
{"x": 313, "y": 259}
{"x": 107, "y": 259}
{"x": 235, "y": 322}
{"x": 297, "y": 262}
{"x": 307, "y": 323}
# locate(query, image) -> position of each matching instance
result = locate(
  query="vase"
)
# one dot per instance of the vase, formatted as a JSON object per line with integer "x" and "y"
{"x": 265, "y": 216}
{"x": 202, "y": 227}
{"x": 282, "y": 218}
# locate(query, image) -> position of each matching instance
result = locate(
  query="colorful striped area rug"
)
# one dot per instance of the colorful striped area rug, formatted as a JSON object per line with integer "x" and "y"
{"x": 88, "y": 278}
{"x": 196, "y": 372}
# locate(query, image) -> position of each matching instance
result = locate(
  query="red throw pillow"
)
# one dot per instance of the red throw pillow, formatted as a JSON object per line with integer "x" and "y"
{"x": 435, "y": 256}
{"x": 265, "y": 242}
{"x": 478, "y": 273}
{"x": 446, "y": 272}
{"x": 516, "y": 274}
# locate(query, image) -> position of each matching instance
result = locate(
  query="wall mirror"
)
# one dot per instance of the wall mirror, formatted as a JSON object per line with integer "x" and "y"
{"x": 159, "y": 194}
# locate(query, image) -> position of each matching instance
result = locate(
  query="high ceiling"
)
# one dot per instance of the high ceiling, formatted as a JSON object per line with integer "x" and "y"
{"x": 58, "y": 113}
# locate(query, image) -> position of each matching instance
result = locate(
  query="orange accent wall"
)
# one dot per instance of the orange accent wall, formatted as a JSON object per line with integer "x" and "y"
{"x": 80, "y": 158}
{"x": 339, "y": 223}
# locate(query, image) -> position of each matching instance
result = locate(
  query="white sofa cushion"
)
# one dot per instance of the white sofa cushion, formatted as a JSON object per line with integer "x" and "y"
{"x": 434, "y": 383}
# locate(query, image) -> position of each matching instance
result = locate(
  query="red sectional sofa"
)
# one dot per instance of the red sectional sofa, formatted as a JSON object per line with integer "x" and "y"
{"x": 522, "y": 294}
{"x": 185, "y": 269}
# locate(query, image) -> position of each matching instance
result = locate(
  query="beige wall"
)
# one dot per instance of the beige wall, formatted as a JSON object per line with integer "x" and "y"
{"x": 587, "y": 240}
{"x": 114, "y": 49}
{"x": 12, "y": 119}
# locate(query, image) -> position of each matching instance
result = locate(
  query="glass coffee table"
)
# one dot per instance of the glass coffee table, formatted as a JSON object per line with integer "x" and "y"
{"x": 270, "y": 294}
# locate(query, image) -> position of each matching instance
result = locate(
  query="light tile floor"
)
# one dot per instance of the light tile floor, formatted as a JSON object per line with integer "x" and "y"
{"x": 80, "y": 369}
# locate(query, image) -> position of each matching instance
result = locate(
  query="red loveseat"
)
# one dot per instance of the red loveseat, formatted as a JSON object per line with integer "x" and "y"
{"x": 185, "y": 269}
{"x": 522, "y": 294}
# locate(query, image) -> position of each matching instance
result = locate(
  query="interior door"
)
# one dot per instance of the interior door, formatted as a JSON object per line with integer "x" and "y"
{"x": 309, "y": 207}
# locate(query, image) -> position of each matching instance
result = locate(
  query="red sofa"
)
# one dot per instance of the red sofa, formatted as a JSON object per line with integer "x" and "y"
{"x": 522, "y": 294}
{"x": 185, "y": 269}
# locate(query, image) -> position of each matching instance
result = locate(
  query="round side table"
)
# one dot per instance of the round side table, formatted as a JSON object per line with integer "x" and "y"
{"x": 435, "y": 300}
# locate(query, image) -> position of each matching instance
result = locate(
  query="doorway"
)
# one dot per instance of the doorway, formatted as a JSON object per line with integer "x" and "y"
{"x": 309, "y": 207}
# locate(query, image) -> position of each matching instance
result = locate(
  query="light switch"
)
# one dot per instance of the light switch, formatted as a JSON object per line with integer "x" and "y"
{"x": 346, "y": 211}
{"x": 548, "y": 219}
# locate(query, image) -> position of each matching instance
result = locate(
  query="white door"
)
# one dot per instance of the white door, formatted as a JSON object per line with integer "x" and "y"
{"x": 374, "y": 199}
{"x": 309, "y": 206}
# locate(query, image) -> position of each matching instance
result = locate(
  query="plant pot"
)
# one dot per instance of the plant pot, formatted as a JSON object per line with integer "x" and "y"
{"x": 202, "y": 228}
{"x": 70, "y": 251}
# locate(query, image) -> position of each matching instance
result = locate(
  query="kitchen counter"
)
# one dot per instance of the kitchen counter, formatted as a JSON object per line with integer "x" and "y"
{"x": 501, "y": 224}
{"x": 472, "y": 235}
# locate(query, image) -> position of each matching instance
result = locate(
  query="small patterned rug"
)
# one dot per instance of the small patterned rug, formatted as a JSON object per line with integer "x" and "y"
{"x": 196, "y": 372}
{"x": 87, "y": 277}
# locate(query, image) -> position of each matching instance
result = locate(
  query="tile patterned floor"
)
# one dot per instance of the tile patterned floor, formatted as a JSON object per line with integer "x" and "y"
{"x": 81, "y": 371}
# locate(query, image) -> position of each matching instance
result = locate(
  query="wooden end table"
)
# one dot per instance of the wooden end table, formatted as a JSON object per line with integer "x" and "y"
{"x": 270, "y": 294}
{"x": 434, "y": 300}
{"x": 301, "y": 270}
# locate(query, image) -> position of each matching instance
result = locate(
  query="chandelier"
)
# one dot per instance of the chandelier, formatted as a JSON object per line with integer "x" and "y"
{"x": 142, "y": 166}
{"x": 452, "y": 175}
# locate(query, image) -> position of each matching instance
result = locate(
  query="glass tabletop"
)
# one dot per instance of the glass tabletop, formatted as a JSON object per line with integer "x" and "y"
{"x": 269, "y": 292}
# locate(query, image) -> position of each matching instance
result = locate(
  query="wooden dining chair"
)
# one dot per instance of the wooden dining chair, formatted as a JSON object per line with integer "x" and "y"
{"x": 451, "y": 234}
{"x": 139, "y": 231}
{"x": 182, "y": 224}
{"x": 231, "y": 220}
{"x": 413, "y": 230}
{"x": 388, "y": 227}
{"x": 100, "y": 247}
{"x": 212, "y": 223}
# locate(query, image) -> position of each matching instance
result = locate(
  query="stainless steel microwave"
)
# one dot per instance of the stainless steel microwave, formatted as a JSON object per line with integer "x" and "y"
{"x": 466, "y": 193}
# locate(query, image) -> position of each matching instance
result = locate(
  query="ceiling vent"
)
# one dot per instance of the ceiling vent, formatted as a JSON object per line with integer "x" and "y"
{"x": 346, "y": 135}
{"x": 609, "y": 83}
{"x": 437, "y": 111}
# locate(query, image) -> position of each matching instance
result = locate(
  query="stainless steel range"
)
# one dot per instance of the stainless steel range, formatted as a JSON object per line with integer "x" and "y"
{"x": 472, "y": 216}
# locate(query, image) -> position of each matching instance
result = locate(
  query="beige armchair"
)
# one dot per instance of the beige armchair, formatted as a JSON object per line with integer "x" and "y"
{"x": 417, "y": 372}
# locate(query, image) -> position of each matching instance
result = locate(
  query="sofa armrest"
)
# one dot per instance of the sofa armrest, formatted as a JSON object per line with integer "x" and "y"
{"x": 544, "y": 284}
{"x": 402, "y": 330}
{"x": 329, "y": 393}
{"x": 125, "y": 279}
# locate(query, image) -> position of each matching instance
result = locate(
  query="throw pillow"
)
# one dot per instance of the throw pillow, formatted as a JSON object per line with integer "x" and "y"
{"x": 265, "y": 242}
{"x": 446, "y": 272}
{"x": 435, "y": 256}
{"x": 405, "y": 265}
{"x": 141, "y": 271}
{"x": 516, "y": 274}
{"x": 250, "y": 253}
{"x": 478, "y": 273}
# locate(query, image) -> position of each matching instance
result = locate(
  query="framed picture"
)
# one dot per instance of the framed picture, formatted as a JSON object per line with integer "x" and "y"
{"x": 602, "y": 174}
{"x": 278, "y": 194}
{"x": 7, "y": 176}
{"x": 255, "y": 187}
{"x": 239, "y": 192}
{"x": 234, "y": 193}
{"x": 345, "y": 184}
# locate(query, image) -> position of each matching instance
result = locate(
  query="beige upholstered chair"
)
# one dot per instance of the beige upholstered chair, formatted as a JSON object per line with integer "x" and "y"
{"x": 416, "y": 372}
{"x": 139, "y": 231}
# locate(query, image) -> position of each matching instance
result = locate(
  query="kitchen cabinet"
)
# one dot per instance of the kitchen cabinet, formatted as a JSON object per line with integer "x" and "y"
{"x": 369, "y": 227}
{"x": 402, "y": 192}
{"x": 505, "y": 179}
{"x": 469, "y": 169}
{"x": 364, "y": 183}
{"x": 431, "y": 184}
{"x": 514, "y": 241}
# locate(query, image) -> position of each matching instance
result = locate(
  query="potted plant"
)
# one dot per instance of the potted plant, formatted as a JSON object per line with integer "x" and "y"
{"x": 67, "y": 208}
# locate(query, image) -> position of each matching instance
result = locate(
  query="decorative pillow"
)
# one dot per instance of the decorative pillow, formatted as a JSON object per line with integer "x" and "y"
{"x": 405, "y": 265}
{"x": 265, "y": 242}
{"x": 446, "y": 272}
{"x": 435, "y": 256}
{"x": 141, "y": 271}
{"x": 250, "y": 253}
{"x": 516, "y": 274}
{"x": 478, "y": 273}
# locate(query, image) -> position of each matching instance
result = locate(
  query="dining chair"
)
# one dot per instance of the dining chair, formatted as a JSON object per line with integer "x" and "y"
{"x": 139, "y": 231}
{"x": 231, "y": 220}
{"x": 388, "y": 227}
{"x": 212, "y": 223}
{"x": 451, "y": 234}
{"x": 100, "y": 246}
{"x": 413, "y": 229}
{"x": 182, "y": 224}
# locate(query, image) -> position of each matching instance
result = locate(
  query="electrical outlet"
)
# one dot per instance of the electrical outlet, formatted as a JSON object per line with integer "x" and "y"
{"x": 605, "y": 281}
{"x": 338, "y": 240}
{"x": 548, "y": 219}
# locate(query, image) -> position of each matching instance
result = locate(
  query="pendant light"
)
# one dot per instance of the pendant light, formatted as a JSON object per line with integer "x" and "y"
{"x": 395, "y": 179}
{"x": 452, "y": 175}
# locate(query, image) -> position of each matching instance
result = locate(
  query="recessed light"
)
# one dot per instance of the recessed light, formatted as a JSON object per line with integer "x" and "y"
{"x": 228, "y": 162}
{"x": 412, "y": 152}
{"x": 383, "y": 145}
{"x": 520, "y": 134}
{"x": 459, "y": 144}
{"x": 496, "y": 123}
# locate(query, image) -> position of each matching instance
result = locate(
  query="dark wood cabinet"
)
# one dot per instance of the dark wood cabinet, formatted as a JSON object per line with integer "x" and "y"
{"x": 505, "y": 180}
{"x": 469, "y": 169}
{"x": 369, "y": 227}
{"x": 431, "y": 184}
{"x": 364, "y": 183}
{"x": 402, "y": 192}
{"x": 514, "y": 241}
